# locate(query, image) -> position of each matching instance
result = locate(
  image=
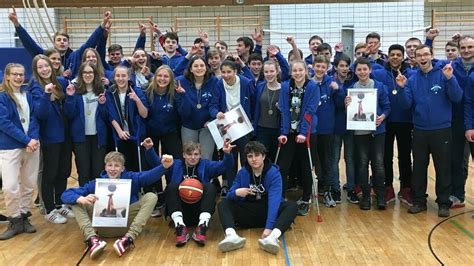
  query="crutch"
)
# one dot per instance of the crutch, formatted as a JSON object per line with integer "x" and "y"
{"x": 309, "y": 119}
{"x": 278, "y": 153}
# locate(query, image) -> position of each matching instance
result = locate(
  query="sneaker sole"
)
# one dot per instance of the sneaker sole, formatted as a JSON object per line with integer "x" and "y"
{"x": 229, "y": 246}
{"x": 458, "y": 205}
{"x": 390, "y": 200}
{"x": 406, "y": 202}
{"x": 98, "y": 251}
{"x": 269, "y": 248}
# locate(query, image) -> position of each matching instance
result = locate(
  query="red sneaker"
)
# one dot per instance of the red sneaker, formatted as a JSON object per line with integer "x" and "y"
{"x": 182, "y": 236}
{"x": 358, "y": 190}
{"x": 122, "y": 244}
{"x": 389, "y": 195}
{"x": 406, "y": 196}
{"x": 199, "y": 234}
{"x": 96, "y": 246}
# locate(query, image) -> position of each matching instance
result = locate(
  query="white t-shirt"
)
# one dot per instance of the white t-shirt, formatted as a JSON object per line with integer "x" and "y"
{"x": 24, "y": 111}
{"x": 90, "y": 108}
{"x": 232, "y": 98}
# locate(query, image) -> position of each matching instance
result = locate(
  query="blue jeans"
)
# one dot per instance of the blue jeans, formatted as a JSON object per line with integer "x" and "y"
{"x": 348, "y": 139}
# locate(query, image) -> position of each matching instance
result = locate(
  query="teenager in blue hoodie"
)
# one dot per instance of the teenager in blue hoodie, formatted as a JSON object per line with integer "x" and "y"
{"x": 344, "y": 78}
{"x": 232, "y": 90}
{"x": 255, "y": 200}
{"x": 69, "y": 58}
{"x": 323, "y": 141}
{"x": 195, "y": 92}
{"x": 82, "y": 201}
{"x": 469, "y": 113}
{"x": 206, "y": 172}
{"x": 430, "y": 93}
{"x": 298, "y": 103}
{"x": 399, "y": 125}
{"x": 19, "y": 150}
{"x": 369, "y": 145}
{"x": 88, "y": 118}
{"x": 49, "y": 93}
{"x": 127, "y": 107}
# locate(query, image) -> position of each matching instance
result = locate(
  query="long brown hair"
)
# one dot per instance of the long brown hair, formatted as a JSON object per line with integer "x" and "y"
{"x": 153, "y": 87}
{"x": 190, "y": 76}
{"x": 58, "y": 93}
{"x": 100, "y": 66}
{"x": 5, "y": 87}
{"x": 97, "y": 86}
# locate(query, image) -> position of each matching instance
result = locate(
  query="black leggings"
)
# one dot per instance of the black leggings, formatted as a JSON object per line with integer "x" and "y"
{"x": 254, "y": 214}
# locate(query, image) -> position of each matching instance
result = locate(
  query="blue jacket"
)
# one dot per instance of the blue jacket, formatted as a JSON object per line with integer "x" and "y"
{"x": 327, "y": 107}
{"x": 173, "y": 62}
{"x": 191, "y": 116}
{"x": 71, "y": 59}
{"x": 309, "y": 107}
{"x": 430, "y": 97}
{"x": 206, "y": 170}
{"x": 136, "y": 123}
{"x": 272, "y": 182}
{"x": 74, "y": 111}
{"x": 469, "y": 104}
{"x": 256, "y": 110}
{"x": 12, "y": 135}
{"x": 218, "y": 102}
{"x": 340, "y": 121}
{"x": 163, "y": 117}
{"x": 386, "y": 76}
{"x": 139, "y": 180}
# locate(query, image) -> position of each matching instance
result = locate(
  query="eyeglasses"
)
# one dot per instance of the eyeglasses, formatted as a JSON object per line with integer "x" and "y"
{"x": 17, "y": 74}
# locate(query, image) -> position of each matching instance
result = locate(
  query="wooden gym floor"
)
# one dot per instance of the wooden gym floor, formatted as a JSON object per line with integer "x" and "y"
{"x": 347, "y": 235}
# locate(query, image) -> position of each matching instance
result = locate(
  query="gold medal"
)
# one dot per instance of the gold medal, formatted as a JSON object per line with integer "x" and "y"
{"x": 394, "y": 92}
{"x": 270, "y": 112}
{"x": 22, "y": 120}
{"x": 198, "y": 106}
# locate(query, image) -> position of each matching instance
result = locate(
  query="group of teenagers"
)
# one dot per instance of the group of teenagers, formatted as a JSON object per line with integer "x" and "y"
{"x": 125, "y": 112}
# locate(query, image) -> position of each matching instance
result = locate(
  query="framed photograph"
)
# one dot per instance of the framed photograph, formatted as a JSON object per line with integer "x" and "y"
{"x": 362, "y": 112}
{"x": 112, "y": 206}
{"x": 235, "y": 125}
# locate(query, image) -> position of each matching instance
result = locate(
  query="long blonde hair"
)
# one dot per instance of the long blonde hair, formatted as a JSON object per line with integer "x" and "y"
{"x": 153, "y": 87}
{"x": 5, "y": 86}
{"x": 58, "y": 93}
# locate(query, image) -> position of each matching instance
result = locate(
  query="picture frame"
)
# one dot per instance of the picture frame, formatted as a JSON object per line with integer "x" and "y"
{"x": 112, "y": 206}
{"x": 362, "y": 111}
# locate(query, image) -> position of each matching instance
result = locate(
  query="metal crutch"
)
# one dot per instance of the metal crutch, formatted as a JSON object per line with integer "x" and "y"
{"x": 309, "y": 119}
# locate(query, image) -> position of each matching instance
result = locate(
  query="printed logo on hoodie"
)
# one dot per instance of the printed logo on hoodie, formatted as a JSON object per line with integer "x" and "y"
{"x": 435, "y": 89}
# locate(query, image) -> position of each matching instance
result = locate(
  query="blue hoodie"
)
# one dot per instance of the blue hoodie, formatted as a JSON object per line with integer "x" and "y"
{"x": 309, "y": 107}
{"x": 206, "y": 170}
{"x": 192, "y": 117}
{"x": 386, "y": 76}
{"x": 163, "y": 117}
{"x": 271, "y": 182}
{"x": 74, "y": 110}
{"x": 139, "y": 180}
{"x": 469, "y": 104}
{"x": 326, "y": 107}
{"x": 71, "y": 59}
{"x": 218, "y": 102}
{"x": 12, "y": 135}
{"x": 430, "y": 97}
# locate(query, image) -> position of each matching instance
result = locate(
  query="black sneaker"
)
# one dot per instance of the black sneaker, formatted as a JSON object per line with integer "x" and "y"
{"x": 303, "y": 208}
{"x": 27, "y": 226}
{"x": 417, "y": 209}
{"x": 381, "y": 203}
{"x": 365, "y": 203}
{"x": 443, "y": 212}
{"x": 224, "y": 191}
{"x": 352, "y": 197}
{"x": 3, "y": 219}
{"x": 336, "y": 196}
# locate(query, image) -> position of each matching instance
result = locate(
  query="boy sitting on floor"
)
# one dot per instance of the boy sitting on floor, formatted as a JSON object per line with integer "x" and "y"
{"x": 82, "y": 201}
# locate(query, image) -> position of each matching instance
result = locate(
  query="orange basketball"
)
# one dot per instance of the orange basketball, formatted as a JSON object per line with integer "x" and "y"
{"x": 190, "y": 190}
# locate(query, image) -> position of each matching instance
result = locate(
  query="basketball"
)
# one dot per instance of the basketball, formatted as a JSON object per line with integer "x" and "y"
{"x": 190, "y": 190}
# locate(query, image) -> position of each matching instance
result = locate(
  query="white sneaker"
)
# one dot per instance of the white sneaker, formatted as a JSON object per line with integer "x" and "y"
{"x": 156, "y": 213}
{"x": 66, "y": 212}
{"x": 55, "y": 217}
{"x": 231, "y": 242}
{"x": 269, "y": 244}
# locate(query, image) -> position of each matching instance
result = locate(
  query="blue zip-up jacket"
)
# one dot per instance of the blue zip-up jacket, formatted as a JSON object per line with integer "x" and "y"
{"x": 256, "y": 111}
{"x": 139, "y": 180}
{"x": 462, "y": 77}
{"x": 74, "y": 111}
{"x": 385, "y": 75}
{"x": 71, "y": 59}
{"x": 172, "y": 62}
{"x": 135, "y": 122}
{"x": 206, "y": 170}
{"x": 326, "y": 112}
{"x": 340, "y": 120}
{"x": 271, "y": 182}
{"x": 383, "y": 105}
{"x": 191, "y": 116}
{"x": 218, "y": 102}
{"x": 430, "y": 97}
{"x": 12, "y": 135}
{"x": 163, "y": 117}
{"x": 469, "y": 104}
{"x": 309, "y": 107}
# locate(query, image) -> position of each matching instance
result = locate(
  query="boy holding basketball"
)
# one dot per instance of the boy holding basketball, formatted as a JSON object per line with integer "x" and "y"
{"x": 82, "y": 201}
{"x": 181, "y": 202}
{"x": 255, "y": 200}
